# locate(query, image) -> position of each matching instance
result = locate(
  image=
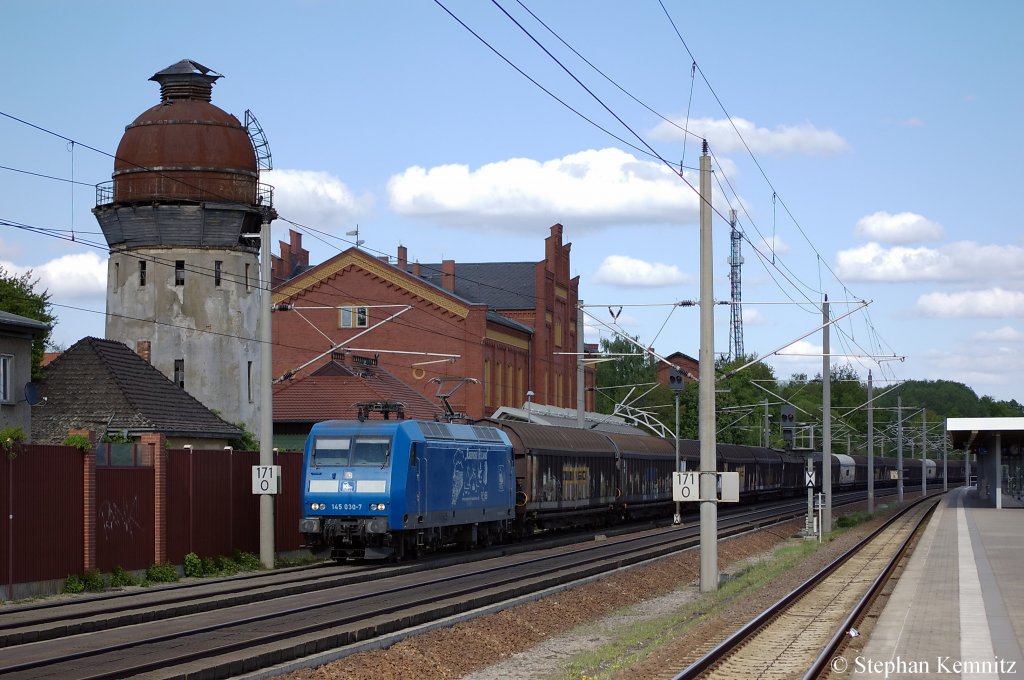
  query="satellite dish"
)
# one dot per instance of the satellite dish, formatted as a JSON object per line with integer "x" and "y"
{"x": 32, "y": 394}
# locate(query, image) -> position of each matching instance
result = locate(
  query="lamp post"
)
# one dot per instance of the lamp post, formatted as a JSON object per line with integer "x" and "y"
{"x": 529, "y": 406}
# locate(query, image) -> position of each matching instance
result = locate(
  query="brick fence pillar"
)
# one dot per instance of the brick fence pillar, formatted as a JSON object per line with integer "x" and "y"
{"x": 88, "y": 501}
{"x": 156, "y": 450}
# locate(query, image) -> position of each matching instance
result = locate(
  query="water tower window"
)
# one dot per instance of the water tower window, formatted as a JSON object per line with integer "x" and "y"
{"x": 216, "y": 272}
{"x": 6, "y": 360}
{"x": 179, "y": 373}
{"x": 179, "y": 272}
{"x": 142, "y": 272}
{"x": 247, "y": 278}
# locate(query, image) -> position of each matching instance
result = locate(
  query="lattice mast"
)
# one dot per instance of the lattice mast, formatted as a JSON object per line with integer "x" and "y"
{"x": 735, "y": 267}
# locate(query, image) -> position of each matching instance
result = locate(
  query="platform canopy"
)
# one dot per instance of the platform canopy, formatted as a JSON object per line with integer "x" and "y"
{"x": 973, "y": 434}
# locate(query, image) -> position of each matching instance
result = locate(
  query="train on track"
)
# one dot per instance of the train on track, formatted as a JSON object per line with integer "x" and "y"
{"x": 387, "y": 489}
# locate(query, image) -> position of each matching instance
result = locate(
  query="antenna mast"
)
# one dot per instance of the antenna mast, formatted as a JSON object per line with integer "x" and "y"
{"x": 735, "y": 266}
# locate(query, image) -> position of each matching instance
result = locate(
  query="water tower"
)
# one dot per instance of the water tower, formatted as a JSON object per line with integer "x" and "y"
{"x": 182, "y": 218}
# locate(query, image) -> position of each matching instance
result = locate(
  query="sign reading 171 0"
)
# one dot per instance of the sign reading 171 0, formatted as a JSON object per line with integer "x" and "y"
{"x": 266, "y": 479}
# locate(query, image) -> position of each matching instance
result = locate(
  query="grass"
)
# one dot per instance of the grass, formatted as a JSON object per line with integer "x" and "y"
{"x": 642, "y": 639}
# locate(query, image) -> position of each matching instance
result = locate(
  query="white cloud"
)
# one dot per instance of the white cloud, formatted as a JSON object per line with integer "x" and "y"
{"x": 78, "y": 276}
{"x": 1004, "y": 334}
{"x": 620, "y": 270}
{"x": 912, "y": 122}
{"x": 783, "y": 139}
{"x": 960, "y": 261}
{"x": 316, "y": 199}
{"x": 991, "y": 303}
{"x": 904, "y": 227}
{"x": 772, "y": 244}
{"x": 589, "y": 189}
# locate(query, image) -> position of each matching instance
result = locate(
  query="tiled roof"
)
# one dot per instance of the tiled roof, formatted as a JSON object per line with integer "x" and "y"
{"x": 499, "y": 285}
{"x": 104, "y": 386}
{"x": 330, "y": 394}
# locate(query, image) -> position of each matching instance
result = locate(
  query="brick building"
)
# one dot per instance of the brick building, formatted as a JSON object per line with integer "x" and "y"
{"x": 510, "y": 326}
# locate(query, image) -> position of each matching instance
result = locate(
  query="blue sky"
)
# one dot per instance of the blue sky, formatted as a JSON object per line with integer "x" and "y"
{"x": 877, "y": 150}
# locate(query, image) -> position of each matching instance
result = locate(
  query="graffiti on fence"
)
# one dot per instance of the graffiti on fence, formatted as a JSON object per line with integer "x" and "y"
{"x": 120, "y": 519}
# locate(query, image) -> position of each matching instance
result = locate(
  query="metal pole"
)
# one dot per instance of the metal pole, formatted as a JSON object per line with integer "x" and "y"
{"x": 826, "y": 421}
{"x": 266, "y": 405}
{"x": 871, "y": 446}
{"x": 708, "y": 461}
{"x": 678, "y": 519}
{"x": 581, "y": 403}
{"x": 10, "y": 528}
{"x": 899, "y": 449}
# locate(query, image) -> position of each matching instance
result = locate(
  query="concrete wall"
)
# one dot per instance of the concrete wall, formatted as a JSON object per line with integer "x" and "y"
{"x": 14, "y": 411}
{"x": 211, "y": 328}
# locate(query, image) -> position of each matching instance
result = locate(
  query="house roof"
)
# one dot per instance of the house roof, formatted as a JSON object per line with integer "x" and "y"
{"x": 22, "y": 323}
{"x": 333, "y": 390}
{"x": 499, "y": 285}
{"x": 104, "y": 386}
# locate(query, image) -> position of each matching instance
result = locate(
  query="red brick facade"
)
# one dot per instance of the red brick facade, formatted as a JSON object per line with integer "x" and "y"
{"x": 506, "y": 359}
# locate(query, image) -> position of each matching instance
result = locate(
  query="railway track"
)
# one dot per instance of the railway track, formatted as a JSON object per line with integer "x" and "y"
{"x": 800, "y": 634}
{"x": 241, "y": 625}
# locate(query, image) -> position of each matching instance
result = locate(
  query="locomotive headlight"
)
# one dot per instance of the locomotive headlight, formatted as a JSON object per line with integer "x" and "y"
{"x": 376, "y": 506}
{"x": 317, "y": 506}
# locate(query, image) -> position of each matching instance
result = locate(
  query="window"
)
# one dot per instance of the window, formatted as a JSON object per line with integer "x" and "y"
{"x": 248, "y": 373}
{"x": 216, "y": 272}
{"x": 247, "y": 278}
{"x": 179, "y": 373}
{"x": 347, "y": 451}
{"x": 179, "y": 272}
{"x": 142, "y": 272}
{"x": 353, "y": 317}
{"x": 6, "y": 364}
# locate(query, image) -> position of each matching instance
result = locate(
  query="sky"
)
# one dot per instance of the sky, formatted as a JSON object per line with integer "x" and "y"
{"x": 868, "y": 149}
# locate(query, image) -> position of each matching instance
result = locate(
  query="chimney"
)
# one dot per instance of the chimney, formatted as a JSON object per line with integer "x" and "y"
{"x": 448, "y": 275}
{"x": 142, "y": 348}
{"x": 403, "y": 258}
{"x": 416, "y": 268}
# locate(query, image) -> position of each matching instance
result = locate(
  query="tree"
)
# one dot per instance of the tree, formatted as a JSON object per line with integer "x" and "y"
{"x": 18, "y": 296}
{"x": 615, "y": 377}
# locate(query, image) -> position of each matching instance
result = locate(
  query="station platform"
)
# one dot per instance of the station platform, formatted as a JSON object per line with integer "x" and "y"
{"x": 958, "y": 608}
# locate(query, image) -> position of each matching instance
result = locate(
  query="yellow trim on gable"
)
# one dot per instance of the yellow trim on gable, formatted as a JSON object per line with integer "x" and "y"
{"x": 383, "y": 271}
{"x": 498, "y": 336}
{"x": 561, "y": 292}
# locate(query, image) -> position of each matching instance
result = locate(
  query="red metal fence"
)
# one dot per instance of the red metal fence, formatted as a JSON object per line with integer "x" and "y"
{"x": 125, "y": 527}
{"x": 41, "y": 496}
{"x": 210, "y": 509}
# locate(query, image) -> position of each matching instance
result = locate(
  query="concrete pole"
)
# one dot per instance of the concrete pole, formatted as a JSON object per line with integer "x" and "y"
{"x": 767, "y": 431}
{"x": 945, "y": 459}
{"x": 997, "y": 474}
{"x": 826, "y": 422}
{"x": 899, "y": 449}
{"x": 924, "y": 452}
{"x": 581, "y": 400}
{"x": 678, "y": 518}
{"x": 871, "y": 446}
{"x": 708, "y": 460}
{"x": 266, "y": 404}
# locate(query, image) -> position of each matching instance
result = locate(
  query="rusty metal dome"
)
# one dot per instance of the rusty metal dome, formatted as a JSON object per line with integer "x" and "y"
{"x": 185, "y": 148}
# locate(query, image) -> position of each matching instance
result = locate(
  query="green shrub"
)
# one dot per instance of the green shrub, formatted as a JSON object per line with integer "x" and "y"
{"x": 79, "y": 441}
{"x": 209, "y": 566}
{"x": 225, "y": 565}
{"x": 247, "y": 561}
{"x": 94, "y": 580}
{"x": 119, "y": 578}
{"x": 73, "y": 584}
{"x": 9, "y": 436}
{"x": 161, "y": 573}
{"x": 193, "y": 566}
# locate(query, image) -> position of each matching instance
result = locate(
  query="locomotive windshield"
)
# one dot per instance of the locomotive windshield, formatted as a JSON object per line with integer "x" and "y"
{"x": 351, "y": 451}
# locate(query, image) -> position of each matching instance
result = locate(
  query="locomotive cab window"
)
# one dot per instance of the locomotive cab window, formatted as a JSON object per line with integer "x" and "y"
{"x": 352, "y": 451}
{"x": 371, "y": 451}
{"x": 331, "y": 451}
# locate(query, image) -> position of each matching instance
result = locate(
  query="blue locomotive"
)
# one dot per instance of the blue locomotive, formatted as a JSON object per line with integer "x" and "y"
{"x": 386, "y": 489}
